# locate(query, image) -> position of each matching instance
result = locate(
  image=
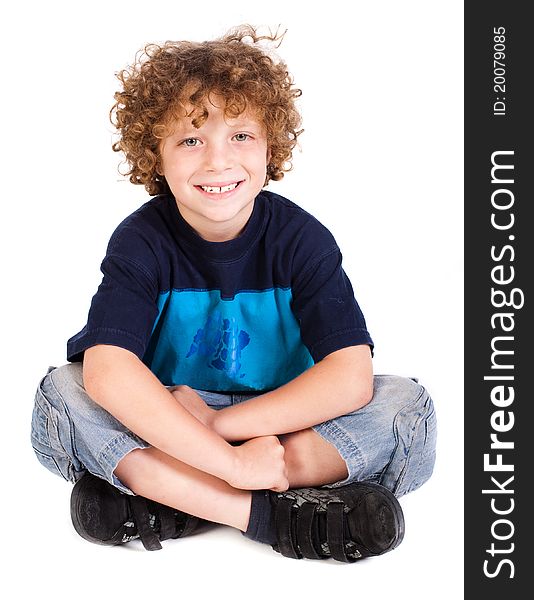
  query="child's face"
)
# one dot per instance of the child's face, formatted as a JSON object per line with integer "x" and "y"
{"x": 216, "y": 171}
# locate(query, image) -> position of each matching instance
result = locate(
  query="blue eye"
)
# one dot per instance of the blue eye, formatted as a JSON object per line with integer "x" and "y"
{"x": 190, "y": 142}
{"x": 241, "y": 137}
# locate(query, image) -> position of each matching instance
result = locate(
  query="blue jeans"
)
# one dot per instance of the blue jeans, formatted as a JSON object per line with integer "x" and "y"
{"x": 391, "y": 440}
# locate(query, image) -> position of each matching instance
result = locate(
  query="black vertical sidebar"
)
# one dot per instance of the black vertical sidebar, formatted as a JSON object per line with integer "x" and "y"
{"x": 499, "y": 257}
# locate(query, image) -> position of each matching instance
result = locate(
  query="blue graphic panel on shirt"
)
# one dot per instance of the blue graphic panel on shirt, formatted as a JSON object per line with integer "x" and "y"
{"x": 221, "y": 341}
{"x": 249, "y": 343}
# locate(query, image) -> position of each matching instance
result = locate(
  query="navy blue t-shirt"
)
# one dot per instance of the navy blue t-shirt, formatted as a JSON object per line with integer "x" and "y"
{"x": 248, "y": 314}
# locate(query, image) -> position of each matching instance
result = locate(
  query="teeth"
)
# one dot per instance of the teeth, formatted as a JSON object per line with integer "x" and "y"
{"x": 218, "y": 190}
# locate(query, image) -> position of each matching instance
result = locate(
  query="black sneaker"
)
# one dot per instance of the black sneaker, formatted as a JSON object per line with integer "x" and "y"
{"x": 346, "y": 523}
{"x": 103, "y": 515}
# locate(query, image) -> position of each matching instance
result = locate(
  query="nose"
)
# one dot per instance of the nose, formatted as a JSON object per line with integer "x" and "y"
{"x": 218, "y": 157}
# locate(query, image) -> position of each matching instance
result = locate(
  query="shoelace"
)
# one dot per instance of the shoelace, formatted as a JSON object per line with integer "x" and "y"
{"x": 298, "y": 532}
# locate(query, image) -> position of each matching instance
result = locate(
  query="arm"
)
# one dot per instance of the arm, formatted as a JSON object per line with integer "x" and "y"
{"x": 119, "y": 382}
{"x": 341, "y": 383}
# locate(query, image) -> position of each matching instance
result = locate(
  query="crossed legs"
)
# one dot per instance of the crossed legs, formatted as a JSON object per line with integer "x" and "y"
{"x": 310, "y": 460}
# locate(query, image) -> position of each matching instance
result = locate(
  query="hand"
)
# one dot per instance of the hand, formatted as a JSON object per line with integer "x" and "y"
{"x": 260, "y": 465}
{"x": 194, "y": 404}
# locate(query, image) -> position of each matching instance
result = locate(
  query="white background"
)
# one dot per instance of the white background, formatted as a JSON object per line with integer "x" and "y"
{"x": 380, "y": 165}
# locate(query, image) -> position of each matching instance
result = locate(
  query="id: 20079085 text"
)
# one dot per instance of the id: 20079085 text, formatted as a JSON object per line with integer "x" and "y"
{"x": 499, "y": 70}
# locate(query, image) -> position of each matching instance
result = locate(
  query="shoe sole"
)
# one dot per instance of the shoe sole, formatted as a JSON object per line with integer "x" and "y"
{"x": 393, "y": 504}
{"x": 77, "y": 500}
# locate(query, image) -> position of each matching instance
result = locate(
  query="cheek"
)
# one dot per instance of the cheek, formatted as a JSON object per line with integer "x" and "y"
{"x": 261, "y": 160}
{"x": 174, "y": 170}
{"x": 258, "y": 168}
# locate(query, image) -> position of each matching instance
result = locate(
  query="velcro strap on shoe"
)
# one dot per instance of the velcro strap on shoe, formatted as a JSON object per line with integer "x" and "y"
{"x": 191, "y": 523}
{"x": 167, "y": 522}
{"x": 142, "y": 520}
{"x": 335, "y": 531}
{"x": 307, "y": 530}
{"x": 284, "y": 528}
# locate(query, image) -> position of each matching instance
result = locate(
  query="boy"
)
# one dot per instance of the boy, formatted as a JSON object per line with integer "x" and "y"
{"x": 224, "y": 374}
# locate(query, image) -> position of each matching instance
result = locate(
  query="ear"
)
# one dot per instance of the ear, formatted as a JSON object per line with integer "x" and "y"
{"x": 269, "y": 155}
{"x": 159, "y": 167}
{"x": 158, "y": 151}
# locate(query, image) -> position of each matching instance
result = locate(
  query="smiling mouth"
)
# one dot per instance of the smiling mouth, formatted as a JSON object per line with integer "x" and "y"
{"x": 213, "y": 189}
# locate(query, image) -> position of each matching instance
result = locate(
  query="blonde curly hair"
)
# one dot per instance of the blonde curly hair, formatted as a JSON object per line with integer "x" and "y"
{"x": 164, "y": 78}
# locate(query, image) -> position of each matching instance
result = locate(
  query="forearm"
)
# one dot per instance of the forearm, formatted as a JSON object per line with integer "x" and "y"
{"x": 339, "y": 384}
{"x": 119, "y": 382}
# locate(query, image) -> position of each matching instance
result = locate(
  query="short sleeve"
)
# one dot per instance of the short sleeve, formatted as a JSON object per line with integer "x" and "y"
{"x": 324, "y": 304}
{"x": 123, "y": 310}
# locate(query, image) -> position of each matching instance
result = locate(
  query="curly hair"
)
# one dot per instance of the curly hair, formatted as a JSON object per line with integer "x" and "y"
{"x": 165, "y": 78}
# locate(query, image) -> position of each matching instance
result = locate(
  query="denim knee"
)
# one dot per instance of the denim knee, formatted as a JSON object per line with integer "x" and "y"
{"x": 72, "y": 434}
{"x": 52, "y": 435}
{"x": 415, "y": 429}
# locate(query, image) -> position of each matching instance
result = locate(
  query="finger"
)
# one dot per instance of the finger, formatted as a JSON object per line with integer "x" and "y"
{"x": 282, "y": 486}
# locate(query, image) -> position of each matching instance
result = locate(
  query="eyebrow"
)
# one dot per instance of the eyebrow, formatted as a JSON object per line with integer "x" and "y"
{"x": 246, "y": 123}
